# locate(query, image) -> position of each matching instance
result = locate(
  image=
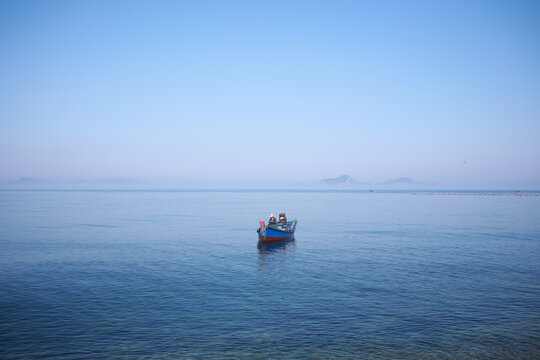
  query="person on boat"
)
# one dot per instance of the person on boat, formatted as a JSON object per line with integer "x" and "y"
{"x": 272, "y": 220}
{"x": 282, "y": 219}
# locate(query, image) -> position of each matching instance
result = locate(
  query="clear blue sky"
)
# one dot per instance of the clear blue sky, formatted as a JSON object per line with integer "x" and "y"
{"x": 284, "y": 91}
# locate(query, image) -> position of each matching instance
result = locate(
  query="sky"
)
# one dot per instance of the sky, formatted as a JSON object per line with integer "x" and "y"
{"x": 271, "y": 92}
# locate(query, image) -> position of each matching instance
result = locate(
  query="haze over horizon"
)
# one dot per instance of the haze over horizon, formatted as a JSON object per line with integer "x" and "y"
{"x": 270, "y": 92}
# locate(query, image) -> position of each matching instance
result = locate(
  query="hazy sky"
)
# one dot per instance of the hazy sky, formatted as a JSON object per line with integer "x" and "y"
{"x": 285, "y": 91}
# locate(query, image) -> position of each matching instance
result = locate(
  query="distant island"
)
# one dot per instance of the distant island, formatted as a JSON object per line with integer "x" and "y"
{"x": 348, "y": 181}
{"x": 337, "y": 181}
{"x": 29, "y": 181}
{"x": 402, "y": 181}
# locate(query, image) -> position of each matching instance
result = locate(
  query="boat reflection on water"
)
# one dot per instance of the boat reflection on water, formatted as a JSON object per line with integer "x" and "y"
{"x": 268, "y": 248}
{"x": 275, "y": 248}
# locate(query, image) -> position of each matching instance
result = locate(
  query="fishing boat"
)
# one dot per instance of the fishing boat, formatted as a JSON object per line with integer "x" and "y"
{"x": 276, "y": 231}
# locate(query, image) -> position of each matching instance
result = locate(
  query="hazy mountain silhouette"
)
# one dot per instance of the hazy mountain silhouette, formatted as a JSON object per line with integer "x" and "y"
{"x": 402, "y": 181}
{"x": 337, "y": 181}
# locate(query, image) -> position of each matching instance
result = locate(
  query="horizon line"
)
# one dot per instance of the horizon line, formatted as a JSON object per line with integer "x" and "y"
{"x": 344, "y": 190}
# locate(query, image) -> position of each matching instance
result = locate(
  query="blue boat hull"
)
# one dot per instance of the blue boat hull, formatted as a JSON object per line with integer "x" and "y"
{"x": 269, "y": 235}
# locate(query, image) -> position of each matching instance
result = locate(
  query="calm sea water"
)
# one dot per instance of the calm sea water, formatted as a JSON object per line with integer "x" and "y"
{"x": 179, "y": 275}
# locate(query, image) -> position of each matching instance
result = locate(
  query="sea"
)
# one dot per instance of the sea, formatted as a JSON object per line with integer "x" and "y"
{"x": 180, "y": 275}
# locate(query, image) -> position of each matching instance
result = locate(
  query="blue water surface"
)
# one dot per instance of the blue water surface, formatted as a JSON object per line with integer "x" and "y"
{"x": 178, "y": 274}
